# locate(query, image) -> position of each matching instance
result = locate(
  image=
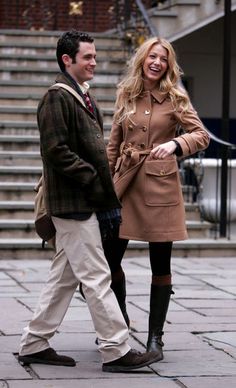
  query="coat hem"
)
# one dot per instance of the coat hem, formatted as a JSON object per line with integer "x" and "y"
{"x": 157, "y": 238}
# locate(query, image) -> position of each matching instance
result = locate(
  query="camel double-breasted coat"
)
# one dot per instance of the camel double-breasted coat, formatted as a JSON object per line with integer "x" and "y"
{"x": 150, "y": 189}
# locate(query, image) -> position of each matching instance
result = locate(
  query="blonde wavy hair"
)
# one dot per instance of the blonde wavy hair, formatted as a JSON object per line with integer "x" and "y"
{"x": 132, "y": 85}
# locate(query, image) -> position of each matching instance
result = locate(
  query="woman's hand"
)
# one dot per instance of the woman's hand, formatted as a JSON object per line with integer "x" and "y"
{"x": 163, "y": 150}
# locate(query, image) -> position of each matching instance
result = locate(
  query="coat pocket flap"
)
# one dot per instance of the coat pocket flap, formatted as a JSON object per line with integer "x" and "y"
{"x": 161, "y": 167}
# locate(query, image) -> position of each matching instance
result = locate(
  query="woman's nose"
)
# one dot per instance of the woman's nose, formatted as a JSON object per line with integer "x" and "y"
{"x": 157, "y": 60}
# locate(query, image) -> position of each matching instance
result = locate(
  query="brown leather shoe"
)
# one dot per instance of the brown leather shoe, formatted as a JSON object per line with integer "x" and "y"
{"x": 131, "y": 360}
{"x": 47, "y": 356}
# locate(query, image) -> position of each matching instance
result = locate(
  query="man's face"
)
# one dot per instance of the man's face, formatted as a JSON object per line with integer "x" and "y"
{"x": 85, "y": 62}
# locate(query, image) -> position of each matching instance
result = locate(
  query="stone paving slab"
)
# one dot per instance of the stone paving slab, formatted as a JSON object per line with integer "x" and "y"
{"x": 10, "y": 368}
{"x": 209, "y": 382}
{"x": 200, "y": 332}
{"x": 197, "y": 363}
{"x": 181, "y": 341}
{"x": 140, "y": 382}
{"x": 84, "y": 370}
{"x": 208, "y": 303}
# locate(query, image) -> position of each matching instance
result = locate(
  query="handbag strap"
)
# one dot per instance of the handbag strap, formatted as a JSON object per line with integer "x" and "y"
{"x": 69, "y": 89}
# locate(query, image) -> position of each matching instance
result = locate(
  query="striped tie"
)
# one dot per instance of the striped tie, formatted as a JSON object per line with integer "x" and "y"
{"x": 88, "y": 102}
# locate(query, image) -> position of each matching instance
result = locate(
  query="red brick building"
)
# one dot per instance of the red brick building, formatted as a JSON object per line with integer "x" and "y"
{"x": 86, "y": 15}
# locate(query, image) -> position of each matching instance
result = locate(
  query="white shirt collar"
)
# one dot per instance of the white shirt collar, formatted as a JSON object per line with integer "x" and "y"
{"x": 84, "y": 87}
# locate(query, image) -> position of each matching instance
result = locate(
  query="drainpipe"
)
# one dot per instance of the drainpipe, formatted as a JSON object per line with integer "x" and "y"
{"x": 225, "y": 116}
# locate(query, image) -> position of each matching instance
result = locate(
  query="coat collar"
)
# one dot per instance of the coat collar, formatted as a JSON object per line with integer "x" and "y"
{"x": 159, "y": 96}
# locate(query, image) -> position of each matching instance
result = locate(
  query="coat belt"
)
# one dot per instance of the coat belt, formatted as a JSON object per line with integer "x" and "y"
{"x": 133, "y": 152}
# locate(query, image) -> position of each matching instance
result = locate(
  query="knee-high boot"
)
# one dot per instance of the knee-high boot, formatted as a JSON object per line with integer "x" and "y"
{"x": 119, "y": 288}
{"x": 159, "y": 303}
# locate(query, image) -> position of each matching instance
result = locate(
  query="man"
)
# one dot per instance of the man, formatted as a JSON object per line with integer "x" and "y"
{"x": 80, "y": 198}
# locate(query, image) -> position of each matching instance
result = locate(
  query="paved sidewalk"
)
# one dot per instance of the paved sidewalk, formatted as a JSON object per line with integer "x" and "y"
{"x": 200, "y": 333}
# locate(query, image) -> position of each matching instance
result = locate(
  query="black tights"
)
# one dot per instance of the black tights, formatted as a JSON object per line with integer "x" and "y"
{"x": 159, "y": 253}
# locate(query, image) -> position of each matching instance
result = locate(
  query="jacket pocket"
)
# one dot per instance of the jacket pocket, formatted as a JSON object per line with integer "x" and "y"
{"x": 161, "y": 183}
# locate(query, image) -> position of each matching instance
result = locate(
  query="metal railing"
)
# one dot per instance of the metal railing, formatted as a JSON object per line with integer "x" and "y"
{"x": 202, "y": 175}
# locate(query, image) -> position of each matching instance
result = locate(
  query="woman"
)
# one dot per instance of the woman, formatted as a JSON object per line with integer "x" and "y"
{"x": 142, "y": 153}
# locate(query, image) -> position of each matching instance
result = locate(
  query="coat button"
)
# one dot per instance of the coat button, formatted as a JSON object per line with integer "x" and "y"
{"x": 147, "y": 112}
{"x": 142, "y": 145}
{"x": 130, "y": 127}
{"x": 144, "y": 128}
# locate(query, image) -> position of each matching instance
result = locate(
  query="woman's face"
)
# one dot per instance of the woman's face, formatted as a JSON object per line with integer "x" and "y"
{"x": 155, "y": 65}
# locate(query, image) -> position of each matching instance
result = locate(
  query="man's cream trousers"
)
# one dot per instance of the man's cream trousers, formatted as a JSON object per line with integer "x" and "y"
{"x": 79, "y": 258}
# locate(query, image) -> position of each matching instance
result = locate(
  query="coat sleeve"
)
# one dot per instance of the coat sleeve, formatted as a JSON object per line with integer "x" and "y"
{"x": 196, "y": 137}
{"x": 53, "y": 121}
{"x": 113, "y": 148}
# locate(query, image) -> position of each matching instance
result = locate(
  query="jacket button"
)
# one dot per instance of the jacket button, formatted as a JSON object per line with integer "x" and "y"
{"x": 102, "y": 151}
{"x": 98, "y": 135}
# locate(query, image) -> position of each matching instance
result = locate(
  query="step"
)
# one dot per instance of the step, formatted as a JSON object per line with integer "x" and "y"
{"x": 47, "y": 61}
{"x": 191, "y": 16}
{"x": 32, "y": 248}
{"x": 21, "y": 132}
{"x": 20, "y": 248}
{"x": 220, "y": 247}
{"x": 19, "y": 142}
{"x": 17, "y": 191}
{"x": 21, "y": 114}
{"x": 17, "y": 228}
{"x": 24, "y": 114}
{"x": 21, "y": 86}
{"x": 34, "y": 49}
{"x": 17, "y": 209}
{"x": 51, "y": 37}
{"x": 198, "y": 229}
{"x": 192, "y": 211}
{"x": 32, "y": 100}
{"x": 20, "y": 158}
{"x": 49, "y": 75}
{"x": 20, "y": 173}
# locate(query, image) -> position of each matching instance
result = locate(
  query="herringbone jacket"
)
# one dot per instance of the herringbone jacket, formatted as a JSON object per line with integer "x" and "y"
{"x": 76, "y": 171}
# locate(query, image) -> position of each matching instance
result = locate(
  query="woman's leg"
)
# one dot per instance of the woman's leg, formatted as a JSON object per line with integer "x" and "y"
{"x": 161, "y": 289}
{"x": 114, "y": 251}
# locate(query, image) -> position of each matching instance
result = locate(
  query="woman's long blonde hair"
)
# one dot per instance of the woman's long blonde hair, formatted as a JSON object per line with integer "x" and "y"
{"x": 132, "y": 85}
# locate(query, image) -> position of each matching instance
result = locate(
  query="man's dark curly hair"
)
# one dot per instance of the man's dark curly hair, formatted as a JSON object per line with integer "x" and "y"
{"x": 69, "y": 43}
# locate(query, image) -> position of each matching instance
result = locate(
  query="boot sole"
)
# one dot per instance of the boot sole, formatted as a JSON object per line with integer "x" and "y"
{"x": 124, "y": 368}
{"x": 24, "y": 360}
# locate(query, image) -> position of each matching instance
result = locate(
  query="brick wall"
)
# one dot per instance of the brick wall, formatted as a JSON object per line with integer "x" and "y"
{"x": 55, "y": 15}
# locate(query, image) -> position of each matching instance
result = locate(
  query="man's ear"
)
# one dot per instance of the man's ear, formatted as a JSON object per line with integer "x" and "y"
{"x": 66, "y": 59}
